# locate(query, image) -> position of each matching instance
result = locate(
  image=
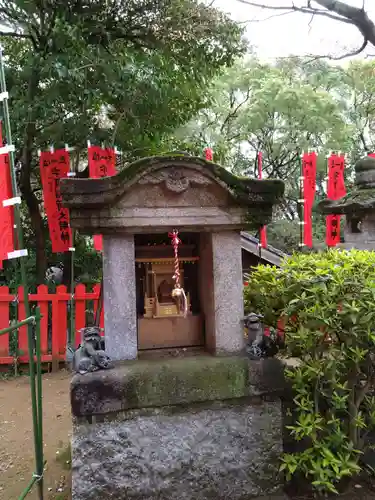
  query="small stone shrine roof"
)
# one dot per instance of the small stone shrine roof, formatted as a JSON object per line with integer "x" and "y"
{"x": 362, "y": 197}
{"x": 96, "y": 194}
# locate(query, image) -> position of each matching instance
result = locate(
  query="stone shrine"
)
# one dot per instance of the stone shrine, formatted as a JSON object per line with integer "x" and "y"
{"x": 153, "y": 427}
{"x": 358, "y": 206}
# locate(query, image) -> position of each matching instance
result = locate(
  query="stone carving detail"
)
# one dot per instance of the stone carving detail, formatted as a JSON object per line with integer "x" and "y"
{"x": 90, "y": 356}
{"x": 175, "y": 180}
{"x": 259, "y": 345}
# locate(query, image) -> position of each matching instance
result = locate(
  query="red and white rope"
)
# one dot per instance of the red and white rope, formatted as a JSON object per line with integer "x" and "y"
{"x": 175, "y": 243}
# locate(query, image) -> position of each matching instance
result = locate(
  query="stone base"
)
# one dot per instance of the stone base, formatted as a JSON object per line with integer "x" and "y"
{"x": 220, "y": 451}
{"x": 192, "y": 429}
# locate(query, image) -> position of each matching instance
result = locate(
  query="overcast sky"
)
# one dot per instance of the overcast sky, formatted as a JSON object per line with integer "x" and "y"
{"x": 292, "y": 34}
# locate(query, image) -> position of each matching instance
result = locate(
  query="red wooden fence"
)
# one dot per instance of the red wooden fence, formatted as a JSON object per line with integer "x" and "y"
{"x": 54, "y": 324}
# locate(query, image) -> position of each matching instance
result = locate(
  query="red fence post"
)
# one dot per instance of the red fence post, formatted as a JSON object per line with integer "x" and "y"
{"x": 59, "y": 325}
{"x": 42, "y": 298}
{"x": 22, "y": 332}
{"x": 5, "y": 300}
{"x": 96, "y": 292}
{"x": 59, "y": 302}
{"x": 80, "y": 310}
{"x": 63, "y": 299}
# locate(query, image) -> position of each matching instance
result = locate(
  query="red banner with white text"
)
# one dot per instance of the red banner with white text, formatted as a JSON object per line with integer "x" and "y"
{"x": 263, "y": 230}
{"x": 6, "y": 213}
{"x": 335, "y": 190}
{"x": 53, "y": 167}
{"x": 102, "y": 163}
{"x": 308, "y": 193}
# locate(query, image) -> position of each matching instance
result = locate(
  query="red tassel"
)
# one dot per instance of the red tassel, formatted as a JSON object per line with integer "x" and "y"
{"x": 209, "y": 154}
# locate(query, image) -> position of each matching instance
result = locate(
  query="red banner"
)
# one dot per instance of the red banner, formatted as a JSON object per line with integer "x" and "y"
{"x": 308, "y": 193}
{"x": 53, "y": 167}
{"x": 335, "y": 190}
{"x": 209, "y": 154}
{"x": 6, "y": 213}
{"x": 371, "y": 154}
{"x": 263, "y": 230}
{"x": 102, "y": 163}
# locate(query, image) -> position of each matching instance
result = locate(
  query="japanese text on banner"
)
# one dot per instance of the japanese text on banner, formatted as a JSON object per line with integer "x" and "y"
{"x": 102, "y": 163}
{"x": 335, "y": 190}
{"x": 309, "y": 188}
{"x": 53, "y": 167}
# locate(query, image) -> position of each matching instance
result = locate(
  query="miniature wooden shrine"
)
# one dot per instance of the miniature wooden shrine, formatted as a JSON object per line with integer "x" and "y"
{"x": 160, "y": 323}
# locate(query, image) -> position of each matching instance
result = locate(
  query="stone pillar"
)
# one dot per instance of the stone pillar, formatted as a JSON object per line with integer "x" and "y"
{"x": 120, "y": 311}
{"x": 228, "y": 292}
{"x": 221, "y": 289}
{"x": 206, "y": 296}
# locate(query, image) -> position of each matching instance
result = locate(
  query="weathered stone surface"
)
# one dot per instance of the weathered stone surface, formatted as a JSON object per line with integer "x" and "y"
{"x": 227, "y": 452}
{"x": 145, "y": 196}
{"x": 120, "y": 315}
{"x": 228, "y": 293}
{"x": 145, "y": 384}
{"x": 266, "y": 376}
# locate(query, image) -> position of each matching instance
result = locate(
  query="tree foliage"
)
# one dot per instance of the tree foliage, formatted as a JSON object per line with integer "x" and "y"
{"x": 326, "y": 301}
{"x": 283, "y": 109}
{"x": 113, "y": 71}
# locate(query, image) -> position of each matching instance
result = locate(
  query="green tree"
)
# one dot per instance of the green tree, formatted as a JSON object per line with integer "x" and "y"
{"x": 326, "y": 302}
{"x": 113, "y": 71}
{"x": 280, "y": 110}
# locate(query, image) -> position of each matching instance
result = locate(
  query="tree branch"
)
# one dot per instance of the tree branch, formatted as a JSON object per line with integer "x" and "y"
{"x": 333, "y": 9}
{"x": 13, "y": 34}
{"x": 343, "y": 56}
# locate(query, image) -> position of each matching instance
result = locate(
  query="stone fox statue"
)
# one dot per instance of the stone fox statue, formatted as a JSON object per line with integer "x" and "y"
{"x": 90, "y": 355}
{"x": 259, "y": 345}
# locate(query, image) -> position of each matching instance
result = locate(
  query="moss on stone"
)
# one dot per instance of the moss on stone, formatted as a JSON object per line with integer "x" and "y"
{"x": 258, "y": 195}
{"x": 241, "y": 187}
{"x": 364, "y": 164}
{"x": 358, "y": 201}
{"x": 143, "y": 384}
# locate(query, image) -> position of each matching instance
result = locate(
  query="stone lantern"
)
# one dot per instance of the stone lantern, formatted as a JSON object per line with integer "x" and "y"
{"x": 358, "y": 207}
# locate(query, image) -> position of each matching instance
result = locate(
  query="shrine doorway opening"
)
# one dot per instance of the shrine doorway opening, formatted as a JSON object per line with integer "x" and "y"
{"x": 160, "y": 324}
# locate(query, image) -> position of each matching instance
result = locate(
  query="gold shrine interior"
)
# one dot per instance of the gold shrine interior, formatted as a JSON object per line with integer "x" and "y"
{"x": 160, "y": 323}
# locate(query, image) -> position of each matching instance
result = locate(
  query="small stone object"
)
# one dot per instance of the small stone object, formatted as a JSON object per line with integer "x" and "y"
{"x": 90, "y": 355}
{"x": 255, "y": 335}
{"x": 259, "y": 345}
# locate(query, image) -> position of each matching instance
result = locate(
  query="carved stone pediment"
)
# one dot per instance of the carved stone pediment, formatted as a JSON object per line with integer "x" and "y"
{"x": 154, "y": 193}
{"x": 176, "y": 180}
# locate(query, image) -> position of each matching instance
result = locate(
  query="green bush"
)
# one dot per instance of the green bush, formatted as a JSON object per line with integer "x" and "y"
{"x": 327, "y": 301}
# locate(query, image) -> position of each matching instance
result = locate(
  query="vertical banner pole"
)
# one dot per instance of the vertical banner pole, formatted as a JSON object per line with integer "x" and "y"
{"x": 21, "y": 253}
{"x": 262, "y": 229}
{"x": 71, "y": 331}
{"x": 302, "y": 204}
